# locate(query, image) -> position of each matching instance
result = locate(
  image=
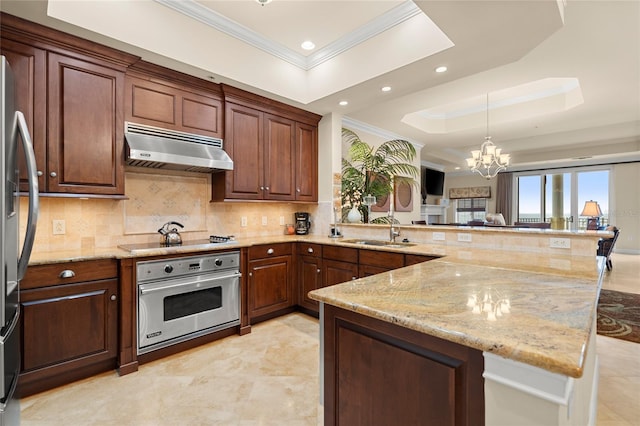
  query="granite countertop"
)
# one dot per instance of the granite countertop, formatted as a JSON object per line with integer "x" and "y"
{"x": 552, "y": 297}
{"x": 566, "y": 265}
{"x": 548, "y": 325}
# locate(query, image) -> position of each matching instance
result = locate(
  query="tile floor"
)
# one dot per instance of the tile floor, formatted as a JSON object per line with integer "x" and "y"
{"x": 269, "y": 377}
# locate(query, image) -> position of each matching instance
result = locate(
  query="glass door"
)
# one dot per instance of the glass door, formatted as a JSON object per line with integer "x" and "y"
{"x": 593, "y": 186}
{"x": 560, "y": 197}
{"x": 557, "y": 201}
{"x": 529, "y": 199}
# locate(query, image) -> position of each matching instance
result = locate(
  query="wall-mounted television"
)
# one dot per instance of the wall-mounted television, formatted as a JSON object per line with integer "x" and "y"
{"x": 432, "y": 182}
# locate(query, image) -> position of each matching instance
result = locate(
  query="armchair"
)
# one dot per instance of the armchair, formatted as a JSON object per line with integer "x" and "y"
{"x": 605, "y": 246}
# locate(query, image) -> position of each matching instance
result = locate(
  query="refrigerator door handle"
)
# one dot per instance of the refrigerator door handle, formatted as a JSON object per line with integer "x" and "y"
{"x": 32, "y": 218}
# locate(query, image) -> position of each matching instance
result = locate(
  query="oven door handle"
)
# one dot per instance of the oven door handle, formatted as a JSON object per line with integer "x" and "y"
{"x": 154, "y": 289}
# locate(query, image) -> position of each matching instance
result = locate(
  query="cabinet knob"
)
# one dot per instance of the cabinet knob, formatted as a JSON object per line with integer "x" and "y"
{"x": 353, "y": 278}
{"x": 270, "y": 251}
{"x": 40, "y": 173}
{"x": 53, "y": 174}
{"x": 266, "y": 187}
{"x": 297, "y": 189}
{"x": 67, "y": 273}
{"x": 318, "y": 270}
{"x": 262, "y": 188}
{"x": 113, "y": 297}
{"x": 250, "y": 274}
{"x": 310, "y": 250}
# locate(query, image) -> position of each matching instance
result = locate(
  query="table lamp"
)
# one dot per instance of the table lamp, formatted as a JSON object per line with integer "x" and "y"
{"x": 592, "y": 211}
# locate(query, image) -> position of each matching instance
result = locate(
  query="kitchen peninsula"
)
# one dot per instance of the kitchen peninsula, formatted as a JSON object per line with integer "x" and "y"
{"x": 551, "y": 292}
{"x": 452, "y": 342}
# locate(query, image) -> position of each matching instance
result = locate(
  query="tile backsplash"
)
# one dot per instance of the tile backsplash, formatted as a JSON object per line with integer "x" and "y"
{"x": 154, "y": 199}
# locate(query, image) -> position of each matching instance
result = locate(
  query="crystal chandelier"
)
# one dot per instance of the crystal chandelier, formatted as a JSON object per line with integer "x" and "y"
{"x": 488, "y": 160}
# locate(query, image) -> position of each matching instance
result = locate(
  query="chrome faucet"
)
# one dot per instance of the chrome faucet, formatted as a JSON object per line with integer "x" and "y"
{"x": 394, "y": 231}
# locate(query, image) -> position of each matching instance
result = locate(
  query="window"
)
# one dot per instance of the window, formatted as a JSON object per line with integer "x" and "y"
{"x": 559, "y": 196}
{"x": 471, "y": 209}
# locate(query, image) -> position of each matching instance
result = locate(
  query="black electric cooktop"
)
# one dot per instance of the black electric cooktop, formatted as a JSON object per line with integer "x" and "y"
{"x": 213, "y": 241}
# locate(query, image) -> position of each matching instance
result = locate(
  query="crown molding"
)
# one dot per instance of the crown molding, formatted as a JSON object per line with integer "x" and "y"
{"x": 382, "y": 23}
{"x": 376, "y": 131}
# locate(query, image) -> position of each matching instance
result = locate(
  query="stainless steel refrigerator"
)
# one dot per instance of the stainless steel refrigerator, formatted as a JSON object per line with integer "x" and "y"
{"x": 13, "y": 131}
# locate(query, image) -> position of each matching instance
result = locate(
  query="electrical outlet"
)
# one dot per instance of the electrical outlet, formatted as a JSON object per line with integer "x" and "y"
{"x": 243, "y": 221}
{"x": 59, "y": 227}
{"x": 466, "y": 237}
{"x": 563, "y": 243}
{"x": 264, "y": 221}
{"x": 281, "y": 220}
{"x": 438, "y": 236}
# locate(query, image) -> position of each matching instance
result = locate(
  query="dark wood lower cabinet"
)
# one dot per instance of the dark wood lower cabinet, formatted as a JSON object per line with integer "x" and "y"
{"x": 377, "y": 373}
{"x": 270, "y": 281}
{"x": 68, "y": 331}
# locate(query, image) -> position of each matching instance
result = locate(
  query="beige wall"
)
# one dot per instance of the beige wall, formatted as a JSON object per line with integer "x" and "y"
{"x": 625, "y": 206}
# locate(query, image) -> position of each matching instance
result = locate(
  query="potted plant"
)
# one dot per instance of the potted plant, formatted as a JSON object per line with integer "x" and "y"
{"x": 370, "y": 171}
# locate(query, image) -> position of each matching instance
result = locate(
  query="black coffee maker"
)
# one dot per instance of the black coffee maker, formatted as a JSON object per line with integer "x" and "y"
{"x": 303, "y": 223}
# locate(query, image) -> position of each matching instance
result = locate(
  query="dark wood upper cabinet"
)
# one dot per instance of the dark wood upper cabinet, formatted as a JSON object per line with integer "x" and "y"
{"x": 71, "y": 92}
{"x": 86, "y": 133}
{"x": 306, "y": 162}
{"x": 28, "y": 64}
{"x": 279, "y": 158}
{"x": 160, "y": 97}
{"x": 274, "y": 148}
{"x": 244, "y": 128}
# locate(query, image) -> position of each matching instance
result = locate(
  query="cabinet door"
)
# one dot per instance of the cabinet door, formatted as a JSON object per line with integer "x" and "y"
{"x": 269, "y": 285}
{"x": 156, "y": 104}
{"x": 309, "y": 278}
{"x": 335, "y": 271}
{"x": 85, "y": 120}
{"x": 69, "y": 326}
{"x": 279, "y": 158}
{"x": 29, "y": 72}
{"x": 306, "y": 165}
{"x": 243, "y": 143}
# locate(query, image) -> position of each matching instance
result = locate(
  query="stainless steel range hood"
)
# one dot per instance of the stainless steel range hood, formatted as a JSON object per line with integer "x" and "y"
{"x": 149, "y": 146}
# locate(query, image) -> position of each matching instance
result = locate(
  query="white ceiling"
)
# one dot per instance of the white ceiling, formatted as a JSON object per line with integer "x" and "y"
{"x": 490, "y": 47}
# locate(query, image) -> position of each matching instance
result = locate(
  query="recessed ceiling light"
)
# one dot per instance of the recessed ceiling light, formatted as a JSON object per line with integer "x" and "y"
{"x": 457, "y": 168}
{"x": 343, "y": 103}
{"x": 263, "y": 2}
{"x": 308, "y": 45}
{"x": 386, "y": 88}
{"x": 441, "y": 69}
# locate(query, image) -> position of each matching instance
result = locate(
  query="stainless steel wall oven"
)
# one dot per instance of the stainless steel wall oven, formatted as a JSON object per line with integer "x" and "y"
{"x": 182, "y": 298}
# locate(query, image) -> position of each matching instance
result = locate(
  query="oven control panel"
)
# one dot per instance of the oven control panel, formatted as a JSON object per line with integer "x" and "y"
{"x": 151, "y": 270}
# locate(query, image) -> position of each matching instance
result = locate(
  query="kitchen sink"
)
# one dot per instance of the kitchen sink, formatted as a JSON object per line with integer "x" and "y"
{"x": 379, "y": 243}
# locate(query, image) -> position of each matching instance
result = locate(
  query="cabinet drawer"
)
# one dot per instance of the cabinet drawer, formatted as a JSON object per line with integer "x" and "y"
{"x": 310, "y": 249}
{"x": 340, "y": 253}
{"x": 382, "y": 258}
{"x": 269, "y": 250}
{"x": 48, "y": 275}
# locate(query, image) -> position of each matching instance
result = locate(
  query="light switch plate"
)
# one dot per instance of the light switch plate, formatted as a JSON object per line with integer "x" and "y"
{"x": 264, "y": 221}
{"x": 438, "y": 236}
{"x": 564, "y": 243}
{"x": 243, "y": 221}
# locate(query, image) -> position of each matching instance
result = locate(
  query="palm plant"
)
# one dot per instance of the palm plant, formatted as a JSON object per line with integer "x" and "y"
{"x": 369, "y": 171}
